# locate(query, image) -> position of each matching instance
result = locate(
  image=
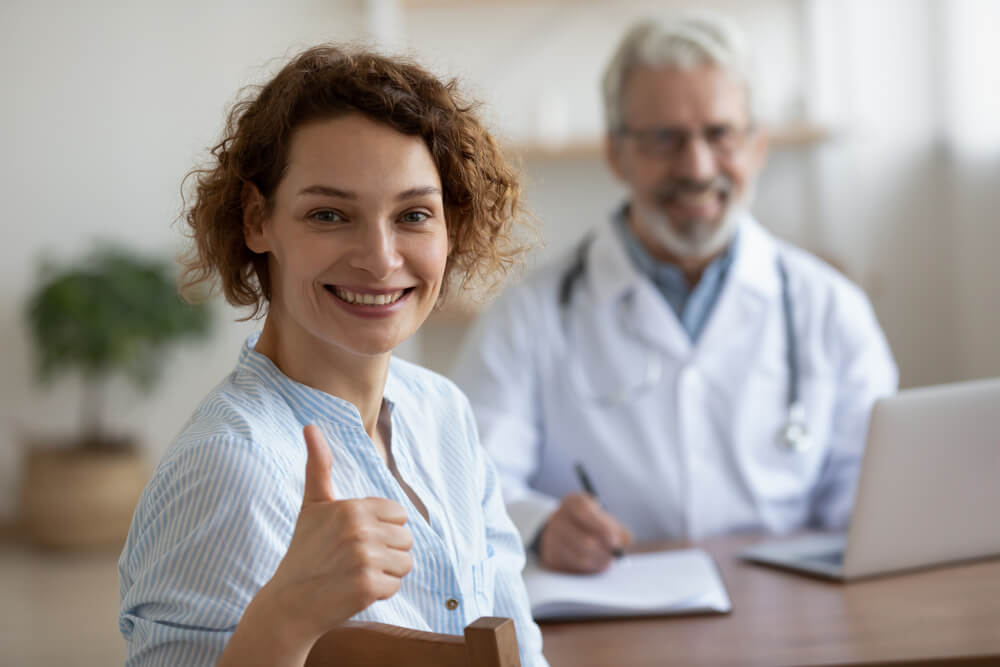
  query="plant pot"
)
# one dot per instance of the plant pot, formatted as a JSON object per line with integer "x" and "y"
{"x": 80, "y": 498}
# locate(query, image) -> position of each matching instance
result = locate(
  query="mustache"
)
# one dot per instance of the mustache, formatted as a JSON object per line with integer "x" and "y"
{"x": 684, "y": 186}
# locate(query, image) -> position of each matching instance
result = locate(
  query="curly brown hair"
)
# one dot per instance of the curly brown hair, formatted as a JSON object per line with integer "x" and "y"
{"x": 481, "y": 193}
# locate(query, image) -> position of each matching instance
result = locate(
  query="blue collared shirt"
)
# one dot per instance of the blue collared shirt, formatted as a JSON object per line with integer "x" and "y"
{"x": 219, "y": 512}
{"x": 692, "y": 306}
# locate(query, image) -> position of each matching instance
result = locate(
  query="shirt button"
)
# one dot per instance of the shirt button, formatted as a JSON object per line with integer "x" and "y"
{"x": 451, "y": 604}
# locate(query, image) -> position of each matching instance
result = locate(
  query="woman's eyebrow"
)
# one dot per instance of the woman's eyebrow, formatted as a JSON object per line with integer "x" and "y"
{"x": 423, "y": 191}
{"x": 328, "y": 191}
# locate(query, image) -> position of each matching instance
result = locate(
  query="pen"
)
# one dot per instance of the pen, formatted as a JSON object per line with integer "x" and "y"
{"x": 588, "y": 487}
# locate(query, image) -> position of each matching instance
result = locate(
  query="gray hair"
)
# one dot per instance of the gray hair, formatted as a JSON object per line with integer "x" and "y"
{"x": 683, "y": 41}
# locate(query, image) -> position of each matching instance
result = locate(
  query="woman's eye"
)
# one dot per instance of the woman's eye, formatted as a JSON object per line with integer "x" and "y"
{"x": 326, "y": 216}
{"x": 414, "y": 216}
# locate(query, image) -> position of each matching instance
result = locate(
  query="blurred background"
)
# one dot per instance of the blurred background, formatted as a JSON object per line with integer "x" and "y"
{"x": 885, "y": 118}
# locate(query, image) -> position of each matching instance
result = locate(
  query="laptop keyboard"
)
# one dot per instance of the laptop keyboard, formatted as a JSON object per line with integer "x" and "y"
{"x": 830, "y": 557}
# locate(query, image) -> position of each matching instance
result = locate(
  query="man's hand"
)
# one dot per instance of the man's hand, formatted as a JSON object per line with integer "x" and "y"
{"x": 581, "y": 537}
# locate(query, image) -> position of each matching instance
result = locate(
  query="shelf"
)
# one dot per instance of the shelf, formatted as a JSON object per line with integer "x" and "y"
{"x": 787, "y": 137}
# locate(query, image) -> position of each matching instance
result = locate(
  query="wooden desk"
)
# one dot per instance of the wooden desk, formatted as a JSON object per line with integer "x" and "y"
{"x": 944, "y": 616}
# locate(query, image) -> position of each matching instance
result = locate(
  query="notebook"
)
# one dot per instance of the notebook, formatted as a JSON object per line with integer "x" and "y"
{"x": 647, "y": 584}
{"x": 928, "y": 494}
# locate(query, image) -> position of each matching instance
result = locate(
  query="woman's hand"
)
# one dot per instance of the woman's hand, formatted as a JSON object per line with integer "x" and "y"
{"x": 344, "y": 555}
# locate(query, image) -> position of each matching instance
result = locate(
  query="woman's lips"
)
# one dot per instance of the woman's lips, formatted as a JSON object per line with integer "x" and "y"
{"x": 369, "y": 303}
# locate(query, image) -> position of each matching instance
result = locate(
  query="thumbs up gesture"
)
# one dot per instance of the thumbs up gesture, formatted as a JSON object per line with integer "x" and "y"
{"x": 344, "y": 554}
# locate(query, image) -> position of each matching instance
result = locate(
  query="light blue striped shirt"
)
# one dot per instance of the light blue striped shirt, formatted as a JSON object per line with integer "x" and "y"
{"x": 218, "y": 514}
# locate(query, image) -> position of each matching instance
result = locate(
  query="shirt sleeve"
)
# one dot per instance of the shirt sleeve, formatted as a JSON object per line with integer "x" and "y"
{"x": 208, "y": 533}
{"x": 498, "y": 370}
{"x": 866, "y": 372}
{"x": 503, "y": 542}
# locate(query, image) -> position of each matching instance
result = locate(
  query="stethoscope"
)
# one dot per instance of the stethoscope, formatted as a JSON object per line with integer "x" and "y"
{"x": 793, "y": 436}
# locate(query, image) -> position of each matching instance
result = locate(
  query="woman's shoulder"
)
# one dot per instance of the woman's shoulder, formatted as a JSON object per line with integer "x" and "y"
{"x": 239, "y": 418}
{"x": 428, "y": 399}
{"x": 410, "y": 381}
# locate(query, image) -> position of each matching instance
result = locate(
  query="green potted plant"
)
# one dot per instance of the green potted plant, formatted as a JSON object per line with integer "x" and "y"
{"x": 113, "y": 313}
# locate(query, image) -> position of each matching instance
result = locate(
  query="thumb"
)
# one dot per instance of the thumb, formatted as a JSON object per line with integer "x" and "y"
{"x": 319, "y": 487}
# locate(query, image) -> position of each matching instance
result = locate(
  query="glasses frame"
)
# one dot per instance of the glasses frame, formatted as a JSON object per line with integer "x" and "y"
{"x": 723, "y": 139}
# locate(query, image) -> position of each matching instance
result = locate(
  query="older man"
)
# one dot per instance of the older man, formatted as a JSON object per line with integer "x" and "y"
{"x": 681, "y": 373}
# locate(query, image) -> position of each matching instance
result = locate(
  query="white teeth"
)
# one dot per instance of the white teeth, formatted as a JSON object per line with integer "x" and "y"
{"x": 368, "y": 299}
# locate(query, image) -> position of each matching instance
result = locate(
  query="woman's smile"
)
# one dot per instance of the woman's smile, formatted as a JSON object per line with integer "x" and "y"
{"x": 369, "y": 302}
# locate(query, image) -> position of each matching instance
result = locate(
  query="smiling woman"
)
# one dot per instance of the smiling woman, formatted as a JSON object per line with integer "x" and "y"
{"x": 324, "y": 480}
{"x": 356, "y": 241}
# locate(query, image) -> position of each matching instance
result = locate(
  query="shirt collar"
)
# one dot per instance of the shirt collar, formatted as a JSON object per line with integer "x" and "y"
{"x": 309, "y": 403}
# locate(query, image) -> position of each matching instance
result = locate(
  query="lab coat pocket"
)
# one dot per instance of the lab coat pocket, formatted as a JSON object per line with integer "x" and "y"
{"x": 484, "y": 583}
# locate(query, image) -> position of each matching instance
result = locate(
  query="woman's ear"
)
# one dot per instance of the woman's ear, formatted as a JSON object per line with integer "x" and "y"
{"x": 253, "y": 219}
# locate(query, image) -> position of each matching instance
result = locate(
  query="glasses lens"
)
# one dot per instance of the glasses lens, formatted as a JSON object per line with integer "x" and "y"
{"x": 669, "y": 142}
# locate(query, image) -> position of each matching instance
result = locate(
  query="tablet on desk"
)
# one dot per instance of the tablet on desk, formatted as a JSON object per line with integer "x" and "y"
{"x": 929, "y": 491}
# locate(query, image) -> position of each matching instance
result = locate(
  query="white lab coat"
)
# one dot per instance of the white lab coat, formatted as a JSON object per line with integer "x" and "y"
{"x": 696, "y": 454}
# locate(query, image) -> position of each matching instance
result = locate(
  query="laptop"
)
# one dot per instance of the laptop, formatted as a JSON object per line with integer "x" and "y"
{"x": 928, "y": 492}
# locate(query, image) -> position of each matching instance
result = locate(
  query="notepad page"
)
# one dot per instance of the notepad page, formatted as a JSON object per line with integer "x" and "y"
{"x": 638, "y": 584}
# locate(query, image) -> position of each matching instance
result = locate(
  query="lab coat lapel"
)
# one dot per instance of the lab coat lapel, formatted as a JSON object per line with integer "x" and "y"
{"x": 751, "y": 287}
{"x": 614, "y": 279}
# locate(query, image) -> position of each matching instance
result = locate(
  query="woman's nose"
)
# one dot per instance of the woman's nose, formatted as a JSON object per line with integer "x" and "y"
{"x": 376, "y": 252}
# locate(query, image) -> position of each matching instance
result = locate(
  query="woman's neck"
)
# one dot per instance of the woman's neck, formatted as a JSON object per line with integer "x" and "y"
{"x": 355, "y": 378}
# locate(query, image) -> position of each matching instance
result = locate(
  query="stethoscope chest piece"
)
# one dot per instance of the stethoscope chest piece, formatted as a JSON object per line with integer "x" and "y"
{"x": 794, "y": 435}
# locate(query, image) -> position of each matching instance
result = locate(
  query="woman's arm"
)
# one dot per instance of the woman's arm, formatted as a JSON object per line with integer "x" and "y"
{"x": 224, "y": 560}
{"x": 344, "y": 555}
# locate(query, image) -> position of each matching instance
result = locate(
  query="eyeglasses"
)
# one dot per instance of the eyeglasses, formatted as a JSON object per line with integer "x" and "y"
{"x": 669, "y": 142}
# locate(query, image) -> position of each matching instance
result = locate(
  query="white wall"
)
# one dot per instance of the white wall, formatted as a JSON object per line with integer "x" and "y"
{"x": 970, "y": 110}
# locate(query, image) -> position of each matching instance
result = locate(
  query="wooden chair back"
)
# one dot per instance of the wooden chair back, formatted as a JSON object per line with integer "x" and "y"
{"x": 488, "y": 642}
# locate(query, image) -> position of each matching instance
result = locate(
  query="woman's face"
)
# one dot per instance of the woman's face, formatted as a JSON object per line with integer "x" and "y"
{"x": 356, "y": 237}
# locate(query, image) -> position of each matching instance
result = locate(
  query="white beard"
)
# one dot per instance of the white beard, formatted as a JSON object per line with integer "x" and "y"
{"x": 701, "y": 239}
